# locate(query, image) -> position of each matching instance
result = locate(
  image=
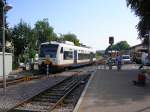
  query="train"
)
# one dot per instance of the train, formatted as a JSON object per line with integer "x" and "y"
{"x": 62, "y": 55}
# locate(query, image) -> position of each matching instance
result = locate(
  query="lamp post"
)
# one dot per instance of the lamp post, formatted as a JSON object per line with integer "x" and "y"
{"x": 111, "y": 41}
{"x": 149, "y": 46}
{"x": 6, "y": 8}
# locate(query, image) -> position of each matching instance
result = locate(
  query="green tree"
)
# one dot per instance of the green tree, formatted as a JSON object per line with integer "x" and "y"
{"x": 44, "y": 32}
{"x": 31, "y": 45}
{"x": 21, "y": 35}
{"x": 71, "y": 37}
{"x": 1, "y": 20}
{"x": 141, "y": 9}
{"x": 120, "y": 46}
{"x": 7, "y": 32}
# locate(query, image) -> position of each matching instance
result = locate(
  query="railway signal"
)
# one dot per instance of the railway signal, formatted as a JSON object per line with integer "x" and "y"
{"x": 111, "y": 40}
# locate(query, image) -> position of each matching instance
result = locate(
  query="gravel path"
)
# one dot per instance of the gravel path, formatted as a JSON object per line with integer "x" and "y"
{"x": 17, "y": 93}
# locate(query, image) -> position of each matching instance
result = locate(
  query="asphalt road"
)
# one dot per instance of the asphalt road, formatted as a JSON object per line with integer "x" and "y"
{"x": 113, "y": 91}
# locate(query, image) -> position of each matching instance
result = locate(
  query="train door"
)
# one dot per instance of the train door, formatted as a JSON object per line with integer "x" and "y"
{"x": 75, "y": 56}
{"x": 91, "y": 57}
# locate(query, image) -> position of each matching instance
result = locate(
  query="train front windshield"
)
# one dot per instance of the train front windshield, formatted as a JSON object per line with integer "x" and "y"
{"x": 48, "y": 49}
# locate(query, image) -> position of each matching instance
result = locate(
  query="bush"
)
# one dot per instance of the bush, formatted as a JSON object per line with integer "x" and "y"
{"x": 15, "y": 66}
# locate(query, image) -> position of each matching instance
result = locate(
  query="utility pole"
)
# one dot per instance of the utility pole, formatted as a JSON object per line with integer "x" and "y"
{"x": 5, "y": 8}
{"x": 111, "y": 41}
{"x": 149, "y": 45}
{"x": 4, "y": 78}
{"x": 1, "y": 23}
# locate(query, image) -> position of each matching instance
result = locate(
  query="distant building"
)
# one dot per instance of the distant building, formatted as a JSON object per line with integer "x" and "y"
{"x": 136, "y": 48}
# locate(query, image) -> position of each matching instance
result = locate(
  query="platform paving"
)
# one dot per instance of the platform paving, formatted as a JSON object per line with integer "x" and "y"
{"x": 18, "y": 93}
{"x": 113, "y": 91}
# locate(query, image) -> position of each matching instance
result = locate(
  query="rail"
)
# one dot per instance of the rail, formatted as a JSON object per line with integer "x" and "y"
{"x": 50, "y": 98}
{"x": 65, "y": 95}
{"x": 13, "y": 109}
{"x": 19, "y": 80}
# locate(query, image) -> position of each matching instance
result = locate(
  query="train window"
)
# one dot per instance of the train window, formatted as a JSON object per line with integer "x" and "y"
{"x": 61, "y": 51}
{"x": 93, "y": 55}
{"x": 82, "y": 56}
{"x": 68, "y": 55}
{"x": 48, "y": 49}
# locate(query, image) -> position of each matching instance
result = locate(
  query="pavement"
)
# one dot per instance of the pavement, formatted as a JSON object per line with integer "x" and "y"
{"x": 113, "y": 91}
{"x": 124, "y": 67}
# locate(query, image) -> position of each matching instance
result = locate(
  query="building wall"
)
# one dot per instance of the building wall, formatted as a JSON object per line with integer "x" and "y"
{"x": 8, "y": 63}
{"x": 136, "y": 48}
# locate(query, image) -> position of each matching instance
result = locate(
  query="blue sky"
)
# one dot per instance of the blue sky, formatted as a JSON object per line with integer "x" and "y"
{"x": 93, "y": 21}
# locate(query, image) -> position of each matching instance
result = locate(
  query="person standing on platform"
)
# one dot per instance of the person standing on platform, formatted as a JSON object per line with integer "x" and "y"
{"x": 118, "y": 61}
{"x": 144, "y": 60}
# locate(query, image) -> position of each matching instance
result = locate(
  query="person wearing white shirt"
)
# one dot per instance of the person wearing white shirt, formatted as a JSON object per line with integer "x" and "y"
{"x": 144, "y": 60}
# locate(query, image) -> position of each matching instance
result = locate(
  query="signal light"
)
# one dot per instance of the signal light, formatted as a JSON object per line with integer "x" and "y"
{"x": 111, "y": 40}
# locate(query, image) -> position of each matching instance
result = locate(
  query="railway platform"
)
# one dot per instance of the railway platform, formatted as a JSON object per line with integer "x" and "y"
{"x": 113, "y": 91}
{"x": 18, "y": 93}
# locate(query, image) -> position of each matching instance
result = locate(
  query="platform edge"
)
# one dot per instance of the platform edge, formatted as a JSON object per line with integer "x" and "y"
{"x": 76, "y": 109}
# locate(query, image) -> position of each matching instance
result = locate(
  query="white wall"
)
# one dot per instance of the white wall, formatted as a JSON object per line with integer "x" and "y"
{"x": 8, "y": 63}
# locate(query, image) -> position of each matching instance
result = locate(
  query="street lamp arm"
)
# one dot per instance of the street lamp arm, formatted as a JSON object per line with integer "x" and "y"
{"x": 7, "y": 7}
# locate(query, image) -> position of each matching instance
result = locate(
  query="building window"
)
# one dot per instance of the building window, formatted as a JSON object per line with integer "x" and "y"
{"x": 68, "y": 55}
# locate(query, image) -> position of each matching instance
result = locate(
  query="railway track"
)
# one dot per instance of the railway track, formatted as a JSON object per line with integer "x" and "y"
{"x": 71, "y": 100}
{"x": 51, "y": 98}
{"x": 19, "y": 80}
{"x": 15, "y": 81}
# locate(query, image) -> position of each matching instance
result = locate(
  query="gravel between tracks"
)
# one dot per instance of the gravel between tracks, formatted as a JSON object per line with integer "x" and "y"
{"x": 18, "y": 93}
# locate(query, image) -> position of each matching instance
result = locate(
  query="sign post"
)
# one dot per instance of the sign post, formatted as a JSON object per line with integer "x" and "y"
{"x": 149, "y": 46}
{"x": 111, "y": 41}
{"x": 47, "y": 73}
{"x": 47, "y": 62}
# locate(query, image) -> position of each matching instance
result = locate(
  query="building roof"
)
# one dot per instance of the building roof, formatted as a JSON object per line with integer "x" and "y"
{"x": 138, "y": 45}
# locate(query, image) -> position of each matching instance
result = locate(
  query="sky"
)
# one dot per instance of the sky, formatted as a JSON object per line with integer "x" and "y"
{"x": 93, "y": 21}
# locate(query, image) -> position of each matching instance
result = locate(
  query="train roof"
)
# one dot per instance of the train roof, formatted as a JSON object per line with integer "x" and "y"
{"x": 69, "y": 45}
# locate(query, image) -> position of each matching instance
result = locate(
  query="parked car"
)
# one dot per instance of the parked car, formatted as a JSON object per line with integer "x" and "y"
{"x": 126, "y": 59}
{"x": 22, "y": 65}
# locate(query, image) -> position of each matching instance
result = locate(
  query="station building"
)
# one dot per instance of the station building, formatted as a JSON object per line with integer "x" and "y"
{"x": 136, "y": 48}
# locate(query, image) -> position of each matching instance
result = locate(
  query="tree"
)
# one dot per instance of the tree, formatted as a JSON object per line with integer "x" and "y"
{"x": 31, "y": 45}
{"x": 44, "y": 32}
{"x": 141, "y": 9}
{"x": 21, "y": 36}
{"x": 71, "y": 37}
{"x": 120, "y": 46}
{"x": 7, "y": 32}
{"x": 1, "y": 22}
